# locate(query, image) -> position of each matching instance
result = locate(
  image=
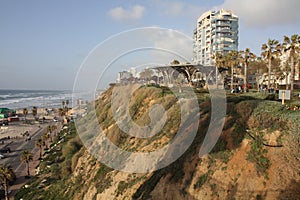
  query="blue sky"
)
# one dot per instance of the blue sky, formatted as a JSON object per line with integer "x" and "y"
{"x": 44, "y": 43}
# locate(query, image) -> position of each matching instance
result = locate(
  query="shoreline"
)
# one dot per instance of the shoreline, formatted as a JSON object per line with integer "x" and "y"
{"x": 17, "y": 129}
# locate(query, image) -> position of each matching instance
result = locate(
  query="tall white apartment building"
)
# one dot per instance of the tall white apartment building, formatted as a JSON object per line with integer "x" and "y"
{"x": 217, "y": 31}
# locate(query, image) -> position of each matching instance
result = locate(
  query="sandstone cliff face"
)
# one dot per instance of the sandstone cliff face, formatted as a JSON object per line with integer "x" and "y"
{"x": 256, "y": 157}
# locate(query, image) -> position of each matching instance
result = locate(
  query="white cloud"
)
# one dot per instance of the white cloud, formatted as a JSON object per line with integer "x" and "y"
{"x": 263, "y": 13}
{"x": 175, "y": 45}
{"x": 134, "y": 13}
{"x": 177, "y": 8}
{"x": 173, "y": 8}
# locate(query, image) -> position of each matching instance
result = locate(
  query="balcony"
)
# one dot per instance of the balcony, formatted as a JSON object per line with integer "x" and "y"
{"x": 223, "y": 23}
{"x": 223, "y": 31}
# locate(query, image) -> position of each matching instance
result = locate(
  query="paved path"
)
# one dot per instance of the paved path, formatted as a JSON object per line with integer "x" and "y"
{"x": 19, "y": 145}
{"x": 13, "y": 158}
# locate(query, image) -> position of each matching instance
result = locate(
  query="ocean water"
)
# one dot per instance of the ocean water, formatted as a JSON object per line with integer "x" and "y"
{"x": 16, "y": 99}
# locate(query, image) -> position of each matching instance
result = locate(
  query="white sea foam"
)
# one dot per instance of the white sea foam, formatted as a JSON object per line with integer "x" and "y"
{"x": 24, "y": 98}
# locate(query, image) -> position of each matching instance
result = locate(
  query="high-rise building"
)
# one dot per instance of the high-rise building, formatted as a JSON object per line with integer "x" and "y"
{"x": 133, "y": 71}
{"x": 217, "y": 31}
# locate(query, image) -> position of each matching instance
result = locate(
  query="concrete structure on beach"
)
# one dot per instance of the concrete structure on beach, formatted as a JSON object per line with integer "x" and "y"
{"x": 216, "y": 31}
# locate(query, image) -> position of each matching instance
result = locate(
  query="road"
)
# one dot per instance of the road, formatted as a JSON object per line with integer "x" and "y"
{"x": 17, "y": 146}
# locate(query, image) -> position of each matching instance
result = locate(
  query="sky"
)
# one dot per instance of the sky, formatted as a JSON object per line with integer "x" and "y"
{"x": 47, "y": 44}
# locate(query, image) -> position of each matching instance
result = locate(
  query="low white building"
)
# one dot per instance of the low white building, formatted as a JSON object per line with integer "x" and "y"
{"x": 124, "y": 75}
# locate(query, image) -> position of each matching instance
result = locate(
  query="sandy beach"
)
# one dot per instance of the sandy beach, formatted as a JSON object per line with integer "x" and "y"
{"x": 15, "y": 130}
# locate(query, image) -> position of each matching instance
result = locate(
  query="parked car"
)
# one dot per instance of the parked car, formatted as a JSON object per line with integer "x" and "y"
{"x": 2, "y": 156}
{"x": 4, "y": 122}
{"x": 5, "y": 150}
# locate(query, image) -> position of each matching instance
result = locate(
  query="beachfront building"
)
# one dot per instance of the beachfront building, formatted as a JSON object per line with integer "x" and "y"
{"x": 216, "y": 31}
{"x": 123, "y": 76}
{"x": 127, "y": 77}
{"x": 6, "y": 112}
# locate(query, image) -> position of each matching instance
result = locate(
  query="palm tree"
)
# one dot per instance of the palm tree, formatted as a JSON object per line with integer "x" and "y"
{"x": 67, "y": 105}
{"x": 231, "y": 59}
{"x": 277, "y": 70}
{"x": 287, "y": 69}
{"x": 270, "y": 49}
{"x": 146, "y": 74}
{"x": 40, "y": 143}
{"x": 45, "y": 138}
{"x": 175, "y": 62}
{"x": 258, "y": 67}
{"x": 220, "y": 61}
{"x": 34, "y": 111}
{"x": 220, "y": 64}
{"x": 49, "y": 131}
{"x": 6, "y": 175}
{"x": 245, "y": 57}
{"x": 61, "y": 112}
{"x": 26, "y": 157}
{"x": 25, "y": 112}
{"x": 291, "y": 45}
{"x": 63, "y": 104}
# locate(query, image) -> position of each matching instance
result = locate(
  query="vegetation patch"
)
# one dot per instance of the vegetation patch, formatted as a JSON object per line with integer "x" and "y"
{"x": 202, "y": 179}
{"x": 55, "y": 170}
{"x": 257, "y": 154}
{"x": 101, "y": 179}
{"x": 222, "y": 155}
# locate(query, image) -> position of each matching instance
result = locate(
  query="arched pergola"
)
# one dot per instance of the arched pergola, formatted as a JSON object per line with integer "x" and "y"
{"x": 188, "y": 70}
